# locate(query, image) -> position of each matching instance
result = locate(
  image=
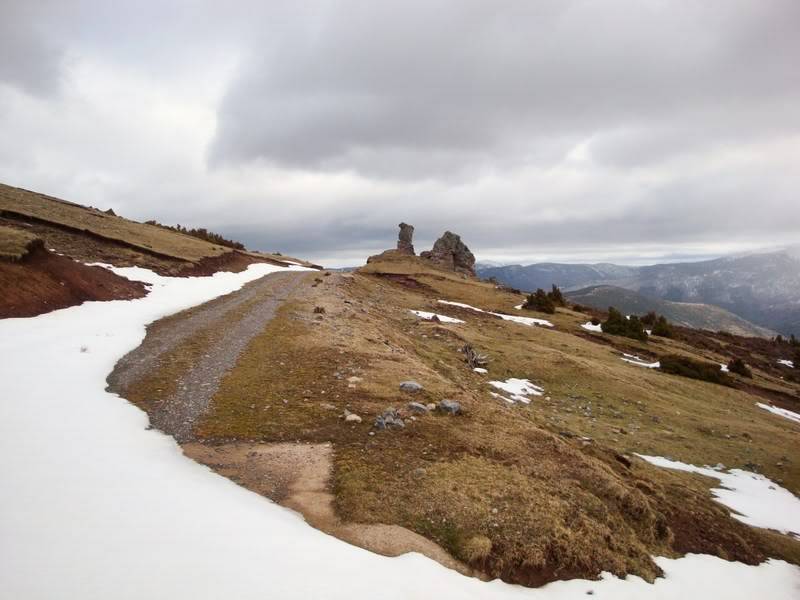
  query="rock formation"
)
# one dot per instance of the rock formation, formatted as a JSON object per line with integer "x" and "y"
{"x": 405, "y": 245}
{"x": 451, "y": 253}
{"x": 405, "y": 239}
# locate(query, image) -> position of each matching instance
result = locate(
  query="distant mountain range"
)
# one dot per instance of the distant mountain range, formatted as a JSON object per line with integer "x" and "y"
{"x": 763, "y": 288}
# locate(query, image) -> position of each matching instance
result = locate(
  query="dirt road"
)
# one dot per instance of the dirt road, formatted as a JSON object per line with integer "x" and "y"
{"x": 240, "y": 316}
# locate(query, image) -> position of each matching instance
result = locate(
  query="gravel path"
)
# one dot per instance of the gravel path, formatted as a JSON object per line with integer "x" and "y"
{"x": 178, "y": 413}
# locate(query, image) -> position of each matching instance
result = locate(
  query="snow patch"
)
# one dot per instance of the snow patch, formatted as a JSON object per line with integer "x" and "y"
{"x": 755, "y": 499}
{"x": 786, "y": 363}
{"x": 640, "y": 362}
{"x": 588, "y": 326}
{"x": 519, "y": 389}
{"x": 786, "y": 414}
{"x": 428, "y": 316}
{"x": 724, "y": 368}
{"x": 530, "y": 321}
{"x": 480, "y": 370}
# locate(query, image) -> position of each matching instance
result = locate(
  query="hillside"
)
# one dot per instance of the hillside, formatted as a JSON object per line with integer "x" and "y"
{"x": 762, "y": 288}
{"x": 697, "y": 316}
{"x": 45, "y": 243}
{"x": 368, "y": 419}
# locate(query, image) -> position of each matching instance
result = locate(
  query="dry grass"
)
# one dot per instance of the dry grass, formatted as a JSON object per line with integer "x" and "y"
{"x": 512, "y": 490}
{"x": 148, "y": 238}
{"x": 14, "y": 243}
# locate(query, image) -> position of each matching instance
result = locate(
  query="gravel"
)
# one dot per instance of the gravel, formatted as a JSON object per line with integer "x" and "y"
{"x": 178, "y": 413}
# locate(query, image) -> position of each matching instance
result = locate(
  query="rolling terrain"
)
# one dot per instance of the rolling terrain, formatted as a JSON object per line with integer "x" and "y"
{"x": 762, "y": 288}
{"x": 698, "y": 316}
{"x": 409, "y": 406}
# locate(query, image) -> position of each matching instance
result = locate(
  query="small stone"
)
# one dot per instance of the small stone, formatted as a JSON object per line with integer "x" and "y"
{"x": 354, "y": 379}
{"x": 352, "y": 418}
{"x": 411, "y": 387}
{"x": 430, "y": 406}
{"x": 449, "y": 406}
{"x": 417, "y": 408}
{"x": 418, "y": 473}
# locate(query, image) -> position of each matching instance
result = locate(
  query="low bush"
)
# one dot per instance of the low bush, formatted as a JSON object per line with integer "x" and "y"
{"x": 540, "y": 301}
{"x": 694, "y": 369}
{"x": 736, "y": 365}
{"x": 630, "y": 327}
{"x": 662, "y": 328}
{"x": 556, "y": 297}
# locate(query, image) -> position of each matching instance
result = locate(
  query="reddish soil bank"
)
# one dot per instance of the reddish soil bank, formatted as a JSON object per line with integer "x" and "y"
{"x": 43, "y": 281}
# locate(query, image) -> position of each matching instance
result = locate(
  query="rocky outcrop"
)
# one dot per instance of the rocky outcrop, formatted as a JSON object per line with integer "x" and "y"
{"x": 451, "y": 253}
{"x": 405, "y": 243}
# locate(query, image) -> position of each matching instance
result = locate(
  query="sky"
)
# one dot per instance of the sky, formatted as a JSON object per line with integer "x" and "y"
{"x": 566, "y": 130}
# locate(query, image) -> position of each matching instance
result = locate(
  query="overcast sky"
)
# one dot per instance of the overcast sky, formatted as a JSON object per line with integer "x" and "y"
{"x": 564, "y": 130}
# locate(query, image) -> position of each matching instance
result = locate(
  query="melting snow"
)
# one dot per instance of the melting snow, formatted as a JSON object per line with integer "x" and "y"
{"x": 588, "y": 326}
{"x": 522, "y": 320}
{"x": 519, "y": 389}
{"x": 786, "y": 414}
{"x": 428, "y": 316}
{"x": 724, "y": 368}
{"x": 786, "y": 363}
{"x": 94, "y": 505}
{"x": 755, "y": 499}
{"x": 480, "y": 370}
{"x": 640, "y": 362}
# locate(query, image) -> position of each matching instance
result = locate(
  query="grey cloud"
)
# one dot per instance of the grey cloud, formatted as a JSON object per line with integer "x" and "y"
{"x": 372, "y": 87}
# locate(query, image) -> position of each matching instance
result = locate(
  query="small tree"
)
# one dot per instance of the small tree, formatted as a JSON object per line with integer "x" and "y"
{"x": 556, "y": 297}
{"x": 736, "y": 365}
{"x": 649, "y": 319}
{"x": 539, "y": 301}
{"x": 662, "y": 328}
{"x": 617, "y": 324}
{"x": 793, "y": 341}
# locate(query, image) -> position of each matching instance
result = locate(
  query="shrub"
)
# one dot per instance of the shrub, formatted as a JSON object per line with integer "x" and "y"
{"x": 649, "y": 319}
{"x": 617, "y": 324}
{"x": 556, "y": 297}
{"x": 540, "y": 301}
{"x": 662, "y": 328}
{"x": 694, "y": 369}
{"x": 201, "y": 233}
{"x": 595, "y": 321}
{"x": 736, "y": 365}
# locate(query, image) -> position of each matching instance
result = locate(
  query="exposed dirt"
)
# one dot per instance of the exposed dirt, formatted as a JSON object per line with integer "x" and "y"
{"x": 298, "y": 477}
{"x": 43, "y": 281}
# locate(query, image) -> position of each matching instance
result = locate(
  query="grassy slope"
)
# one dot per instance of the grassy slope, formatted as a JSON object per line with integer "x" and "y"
{"x": 149, "y": 238}
{"x": 512, "y": 490}
{"x": 700, "y": 316}
{"x": 14, "y": 243}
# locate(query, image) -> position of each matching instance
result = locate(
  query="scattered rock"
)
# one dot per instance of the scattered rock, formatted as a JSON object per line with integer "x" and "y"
{"x": 450, "y": 407}
{"x": 430, "y": 406}
{"x": 389, "y": 419}
{"x": 418, "y": 473}
{"x": 417, "y": 408}
{"x": 411, "y": 387}
{"x": 352, "y": 418}
{"x": 319, "y": 310}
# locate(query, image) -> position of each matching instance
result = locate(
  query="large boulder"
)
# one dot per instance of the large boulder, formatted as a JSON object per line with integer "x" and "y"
{"x": 451, "y": 253}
